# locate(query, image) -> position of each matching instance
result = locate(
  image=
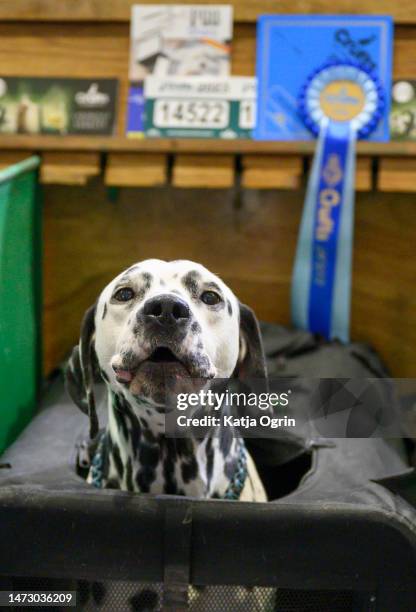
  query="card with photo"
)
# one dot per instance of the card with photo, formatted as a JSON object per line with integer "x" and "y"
{"x": 175, "y": 41}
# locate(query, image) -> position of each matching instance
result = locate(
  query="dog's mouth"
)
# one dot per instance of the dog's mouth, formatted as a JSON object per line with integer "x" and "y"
{"x": 163, "y": 354}
{"x": 162, "y": 361}
{"x": 163, "y": 373}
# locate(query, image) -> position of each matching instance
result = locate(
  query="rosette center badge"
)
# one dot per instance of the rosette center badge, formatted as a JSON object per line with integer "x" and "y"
{"x": 342, "y": 100}
{"x": 342, "y": 93}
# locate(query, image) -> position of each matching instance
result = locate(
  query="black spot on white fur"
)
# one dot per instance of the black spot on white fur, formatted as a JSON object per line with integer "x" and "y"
{"x": 115, "y": 454}
{"x": 190, "y": 282}
{"x": 149, "y": 455}
{"x": 225, "y": 441}
{"x": 145, "y": 285}
{"x": 210, "y": 460}
{"x": 196, "y": 328}
{"x": 189, "y": 469}
{"x": 170, "y": 485}
{"x": 129, "y": 475}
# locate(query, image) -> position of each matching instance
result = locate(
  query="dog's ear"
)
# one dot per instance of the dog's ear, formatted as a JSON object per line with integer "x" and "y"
{"x": 251, "y": 363}
{"x": 79, "y": 373}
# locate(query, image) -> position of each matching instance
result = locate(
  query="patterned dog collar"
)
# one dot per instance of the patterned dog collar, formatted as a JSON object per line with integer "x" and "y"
{"x": 97, "y": 464}
{"x": 239, "y": 478}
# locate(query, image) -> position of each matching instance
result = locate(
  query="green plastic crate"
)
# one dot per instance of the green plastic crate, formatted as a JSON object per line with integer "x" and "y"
{"x": 20, "y": 297}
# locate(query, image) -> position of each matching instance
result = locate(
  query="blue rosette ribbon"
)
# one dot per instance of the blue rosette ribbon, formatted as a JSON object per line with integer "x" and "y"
{"x": 340, "y": 102}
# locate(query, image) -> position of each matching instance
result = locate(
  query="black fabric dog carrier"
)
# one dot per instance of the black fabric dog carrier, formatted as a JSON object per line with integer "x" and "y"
{"x": 339, "y": 533}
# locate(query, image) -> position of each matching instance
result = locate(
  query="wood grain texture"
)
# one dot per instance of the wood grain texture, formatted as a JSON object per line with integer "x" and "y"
{"x": 69, "y": 168}
{"x": 268, "y": 172}
{"x": 397, "y": 174}
{"x": 244, "y": 10}
{"x": 192, "y": 145}
{"x": 7, "y": 158}
{"x": 89, "y": 240}
{"x": 135, "y": 169}
{"x": 286, "y": 172}
{"x": 209, "y": 171}
{"x": 363, "y": 174}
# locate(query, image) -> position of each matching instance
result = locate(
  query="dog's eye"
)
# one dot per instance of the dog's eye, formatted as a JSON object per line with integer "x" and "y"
{"x": 125, "y": 294}
{"x": 210, "y": 298}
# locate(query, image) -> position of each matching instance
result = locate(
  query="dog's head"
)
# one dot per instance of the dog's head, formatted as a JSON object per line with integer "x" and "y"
{"x": 160, "y": 321}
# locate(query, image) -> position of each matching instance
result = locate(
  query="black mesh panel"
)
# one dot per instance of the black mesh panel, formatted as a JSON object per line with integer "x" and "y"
{"x": 148, "y": 597}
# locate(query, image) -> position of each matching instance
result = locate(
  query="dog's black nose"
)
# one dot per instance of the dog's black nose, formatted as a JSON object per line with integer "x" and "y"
{"x": 166, "y": 309}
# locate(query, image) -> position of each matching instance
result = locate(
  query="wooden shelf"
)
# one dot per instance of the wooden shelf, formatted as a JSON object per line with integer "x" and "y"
{"x": 403, "y": 12}
{"x": 161, "y": 145}
{"x": 191, "y": 145}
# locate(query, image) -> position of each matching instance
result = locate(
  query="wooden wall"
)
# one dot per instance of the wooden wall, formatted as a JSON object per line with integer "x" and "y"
{"x": 88, "y": 240}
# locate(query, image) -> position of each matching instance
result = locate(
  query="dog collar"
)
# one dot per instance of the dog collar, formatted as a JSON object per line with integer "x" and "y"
{"x": 97, "y": 463}
{"x": 239, "y": 478}
{"x": 232, "y": 492}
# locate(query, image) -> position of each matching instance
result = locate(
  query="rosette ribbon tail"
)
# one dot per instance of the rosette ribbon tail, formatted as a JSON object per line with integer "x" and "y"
{"x": 321, "y": 284}
{"x": 340, "y": 102}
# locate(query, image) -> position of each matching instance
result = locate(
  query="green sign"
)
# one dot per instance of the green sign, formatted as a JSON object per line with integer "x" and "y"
{"x": 37, "y": 105}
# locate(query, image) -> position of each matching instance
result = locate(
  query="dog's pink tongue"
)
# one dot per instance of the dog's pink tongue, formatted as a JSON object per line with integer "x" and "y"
{"x": 124, "y": 375}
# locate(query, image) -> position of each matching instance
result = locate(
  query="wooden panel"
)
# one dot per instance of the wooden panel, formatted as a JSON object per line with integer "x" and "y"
{"x": 212, "y": 171}
{"x": 404, "y": 46}
{"x": 135, "y": 170}
{"x": 243, "y": 50}
{"x": 384, "y": 278}
{"x": 244, "y": 10}
{"x": 252, "y": 248}
{"x": 7, "y": 158}
{"x": 269, "y": 172}
{"x": 363, "y": 174}
{"x": 397, "y": 175}
{"x": 65, "y": 168}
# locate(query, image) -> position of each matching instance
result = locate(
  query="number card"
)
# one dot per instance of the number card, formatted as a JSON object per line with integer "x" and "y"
{"x": 200, "y": 107}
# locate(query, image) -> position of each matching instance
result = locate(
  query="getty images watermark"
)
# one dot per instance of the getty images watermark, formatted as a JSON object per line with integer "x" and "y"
{"x": 311, "y": 407}
{"x": 219, "y": 402}
{"x": 247, "y": 412}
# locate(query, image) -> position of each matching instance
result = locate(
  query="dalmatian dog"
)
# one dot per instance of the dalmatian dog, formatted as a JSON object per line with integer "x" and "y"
{"x": 160, "y": 321}
{"x": 155, "y": 323}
